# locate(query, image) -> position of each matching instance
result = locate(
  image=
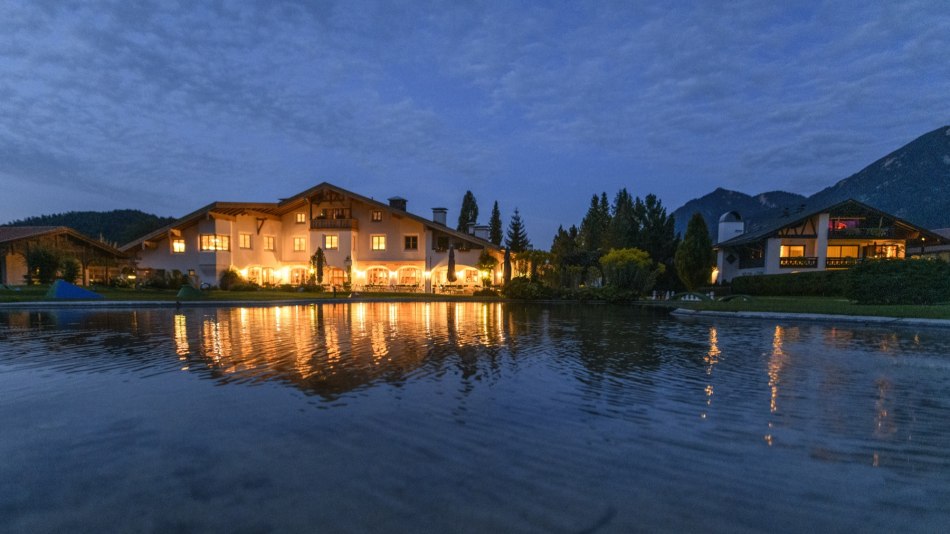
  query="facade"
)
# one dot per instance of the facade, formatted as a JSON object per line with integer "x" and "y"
{"x": 370, "y": 244}
{"x": 98, "y": 261}
{"x": 832, "y": 237}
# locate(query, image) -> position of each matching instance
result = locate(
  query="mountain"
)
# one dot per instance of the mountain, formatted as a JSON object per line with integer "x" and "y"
{"x": 714, "y": 204}
{"x": 912, "y": 183}
{"x": 114, "y": 227}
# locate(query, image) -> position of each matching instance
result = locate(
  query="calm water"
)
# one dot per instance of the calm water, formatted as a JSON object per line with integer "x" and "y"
{"x": 467, "y": 418}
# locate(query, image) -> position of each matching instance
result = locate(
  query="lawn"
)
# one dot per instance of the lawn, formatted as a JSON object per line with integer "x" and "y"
{"x": 827, "y": 305}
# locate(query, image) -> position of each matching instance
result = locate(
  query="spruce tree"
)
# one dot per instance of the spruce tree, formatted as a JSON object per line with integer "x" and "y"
{"x": 494, "y": 226}
{"x": 469, "y": 212}
{"x": 517, "y": 238}
{"x": 694, "y": 256}
{"x": 623, "y": 230}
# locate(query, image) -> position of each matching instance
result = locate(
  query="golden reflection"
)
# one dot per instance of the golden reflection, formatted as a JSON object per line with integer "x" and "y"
{"x": 323, "y": 349}
{"x": 884, "y": 424}
{"x": 181, "y": 336}
{"x": 776, "y": 362}
{"x": 378, "y": 341}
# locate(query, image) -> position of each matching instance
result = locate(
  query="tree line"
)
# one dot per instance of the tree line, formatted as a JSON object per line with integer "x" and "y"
{"x": 622, "y": 249}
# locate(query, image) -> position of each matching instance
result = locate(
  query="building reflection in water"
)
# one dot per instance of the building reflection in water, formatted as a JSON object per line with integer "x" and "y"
{"x": 710, "y": 359}
{"x": 329, "y": 349}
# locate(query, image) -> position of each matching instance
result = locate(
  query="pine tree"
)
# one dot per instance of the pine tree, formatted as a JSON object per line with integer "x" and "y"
{"x": 594, "y": 226}
{"x": 623, "y": 230}
{"x": 494, "y": 226}
{"x": 694, "y": 256}
{"x": 469, "y": 212}
{"x": 517, "y": 238}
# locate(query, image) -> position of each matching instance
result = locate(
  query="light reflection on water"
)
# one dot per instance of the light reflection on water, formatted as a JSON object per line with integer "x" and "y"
{"x": 467, "y": 417}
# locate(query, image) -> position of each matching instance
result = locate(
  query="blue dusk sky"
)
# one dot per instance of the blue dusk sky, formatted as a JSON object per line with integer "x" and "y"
{"x": 168, "y": 106}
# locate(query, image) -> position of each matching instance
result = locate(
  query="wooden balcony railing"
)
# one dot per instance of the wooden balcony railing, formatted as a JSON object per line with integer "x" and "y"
{"x": 861, "y": 233}
{"x": 804, "y": 262}
{"x": 345, "y": 224}
{"x": 841, "y": 263}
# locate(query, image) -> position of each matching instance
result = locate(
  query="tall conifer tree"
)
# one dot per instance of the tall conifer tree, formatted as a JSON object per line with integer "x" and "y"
{"x": 494, "y": 226}
{"x": 517, "y": 238}
{"x": 469, "y": 212}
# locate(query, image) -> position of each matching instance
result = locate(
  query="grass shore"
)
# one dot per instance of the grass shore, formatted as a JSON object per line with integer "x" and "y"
{"x": 824, "y": 305}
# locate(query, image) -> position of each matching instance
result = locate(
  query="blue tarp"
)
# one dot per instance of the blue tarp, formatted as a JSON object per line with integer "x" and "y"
{"x": 62, "y": 289}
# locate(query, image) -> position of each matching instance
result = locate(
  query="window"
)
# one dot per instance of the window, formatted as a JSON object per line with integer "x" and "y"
{"x": 412, "y": 242}
{"x": 300, "y": 244}
{"x": 331, "y": 242}
{"x": 377, "y": 276}
{"x": 301, "y": 218}
{"x": 842, "y": 251}
{"x": 178, "y": 246}
{"x": 244, "y": 240}
{"x": 441, "y": 243}
{"x": 377, "y": 215}
{"x": 792, "y": 251}
{"x": 268, "y": 242}
{"x": 211, "y": 242}
{"x": 377, "y": 242}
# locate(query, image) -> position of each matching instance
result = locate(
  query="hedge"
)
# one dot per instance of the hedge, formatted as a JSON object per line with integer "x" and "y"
{"x": 816, "y": 284}
{"x": 899, "y": 282}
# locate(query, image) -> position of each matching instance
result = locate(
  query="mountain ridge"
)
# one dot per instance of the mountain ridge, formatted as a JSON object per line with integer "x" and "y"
{"x": 911, "y": 182}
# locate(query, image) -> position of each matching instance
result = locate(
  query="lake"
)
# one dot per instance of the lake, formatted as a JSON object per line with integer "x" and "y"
{"x": 467, "y": 417}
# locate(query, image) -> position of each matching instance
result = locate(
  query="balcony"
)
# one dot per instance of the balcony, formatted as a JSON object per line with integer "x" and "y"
{"x": 841, "y": 263}
{"x": 803, "y": 262}
{"x": 333, "y": 223}
{"x": 861, "y": 233}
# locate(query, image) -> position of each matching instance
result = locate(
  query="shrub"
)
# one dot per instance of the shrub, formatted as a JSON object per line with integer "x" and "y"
{"x": 485, "y": 293}
{"x": 524, "y": 288}
{"x": 630, "y": 270}
{"x": 899, "y": 282}
{"x": 816, "y": 284}
{"x": 230, "y": 278}
{"x": 70, "y": 269}
{"x": 42, "y": 263}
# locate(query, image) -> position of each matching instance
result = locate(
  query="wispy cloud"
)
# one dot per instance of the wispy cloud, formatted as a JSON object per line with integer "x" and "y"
{"x": 167, "y": 106}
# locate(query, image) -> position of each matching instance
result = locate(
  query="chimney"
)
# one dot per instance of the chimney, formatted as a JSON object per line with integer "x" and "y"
{"x": 439, "y": 215}
{"x": 398, "y": 203}
{"x": 470, "y": 228}
{"x": 482, "y": 231}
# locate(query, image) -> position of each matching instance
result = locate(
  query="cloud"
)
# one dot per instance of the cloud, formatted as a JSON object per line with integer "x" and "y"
{"x": 194, "y": 102}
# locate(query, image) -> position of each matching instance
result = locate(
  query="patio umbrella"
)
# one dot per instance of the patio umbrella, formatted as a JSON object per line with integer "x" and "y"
{"x": 450, "y": 276}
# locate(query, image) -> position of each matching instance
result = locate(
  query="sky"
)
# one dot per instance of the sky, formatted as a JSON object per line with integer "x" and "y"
{"x": 168, "y": 106}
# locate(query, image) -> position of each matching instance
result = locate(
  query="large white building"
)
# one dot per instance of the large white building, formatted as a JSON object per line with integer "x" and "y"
{"x": 371, "y": 244}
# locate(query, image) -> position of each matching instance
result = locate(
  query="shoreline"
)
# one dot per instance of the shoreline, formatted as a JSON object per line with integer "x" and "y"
{"x": 869, "y": 320}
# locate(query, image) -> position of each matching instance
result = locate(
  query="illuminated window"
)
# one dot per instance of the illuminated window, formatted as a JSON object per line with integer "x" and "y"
{"x": 301, "y": 218}
{"x": 842, "y": 251}
{"x": 412, "y": 242}
{"x": 377, "y": 215}
{"x": 178, "y": 246}
{"x": 211, "y": 242}
{"x": 244, "y": 240}
{"x": 268, "y": 242}
{"x": 792, "y": 251}
{"x": 331, "y": 242}
{"x": 300, "y": 244}
{"x": 378, "y": 242}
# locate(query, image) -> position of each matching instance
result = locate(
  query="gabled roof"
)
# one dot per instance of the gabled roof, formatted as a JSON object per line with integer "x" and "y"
{"x": 14, "y": 234}
{"x": 771, "y": 227}
{"x": 286, "y": 204}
